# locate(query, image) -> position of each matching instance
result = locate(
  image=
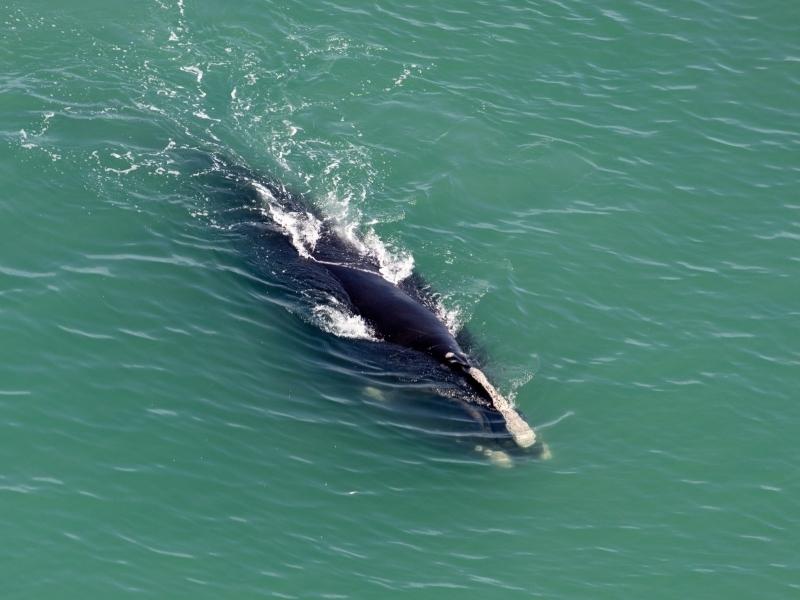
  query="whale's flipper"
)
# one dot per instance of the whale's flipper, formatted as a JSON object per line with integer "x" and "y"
{"x": 522, "y": 433}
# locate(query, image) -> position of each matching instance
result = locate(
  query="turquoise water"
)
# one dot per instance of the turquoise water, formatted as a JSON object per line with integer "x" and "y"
{"x": 606, "y": 197}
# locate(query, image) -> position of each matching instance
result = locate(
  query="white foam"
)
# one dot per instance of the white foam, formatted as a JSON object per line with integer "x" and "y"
{"x": 394, "y": 265}
{"x": 302, "y": 228}
{"x": 451, "y": 317}
{"x": 336, "y": 319}
{"x": 194, "y": 70}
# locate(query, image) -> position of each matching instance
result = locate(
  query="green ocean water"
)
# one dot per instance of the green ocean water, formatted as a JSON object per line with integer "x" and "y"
{"x": 605, "y": 194}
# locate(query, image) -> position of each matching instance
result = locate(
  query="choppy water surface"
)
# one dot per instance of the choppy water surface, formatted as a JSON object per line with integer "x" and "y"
{"x": 605, "y": 195}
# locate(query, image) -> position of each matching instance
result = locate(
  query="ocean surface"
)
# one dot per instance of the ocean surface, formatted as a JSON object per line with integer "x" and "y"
{"x": 605, "y": 195}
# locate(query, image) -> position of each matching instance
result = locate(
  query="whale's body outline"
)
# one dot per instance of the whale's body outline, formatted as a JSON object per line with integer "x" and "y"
{"x": 395, "y": 313}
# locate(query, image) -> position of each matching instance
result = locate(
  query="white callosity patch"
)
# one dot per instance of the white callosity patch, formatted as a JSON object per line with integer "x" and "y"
{"x": 375, "y": 393}
{"x": 522, "y": 433}
{"x": 498, "y": 458}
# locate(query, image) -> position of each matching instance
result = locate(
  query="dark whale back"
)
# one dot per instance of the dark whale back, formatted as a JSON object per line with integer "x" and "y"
{"x": 395, "y": 315}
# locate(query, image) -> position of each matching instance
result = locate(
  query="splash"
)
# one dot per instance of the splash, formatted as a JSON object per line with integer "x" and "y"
{"x": 453, "y": 318}
{"x": 336, "y": 319}
{"x": 302, "y": 228}
{"x": 394, "y": 265}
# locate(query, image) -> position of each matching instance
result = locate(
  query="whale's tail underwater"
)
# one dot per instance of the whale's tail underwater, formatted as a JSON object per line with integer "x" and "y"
{"x": 335, "y": 265}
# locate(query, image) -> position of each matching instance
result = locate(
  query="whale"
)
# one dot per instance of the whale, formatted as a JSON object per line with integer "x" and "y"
{"x": 398, "y": 318}
{"x": 397, "y": 312}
